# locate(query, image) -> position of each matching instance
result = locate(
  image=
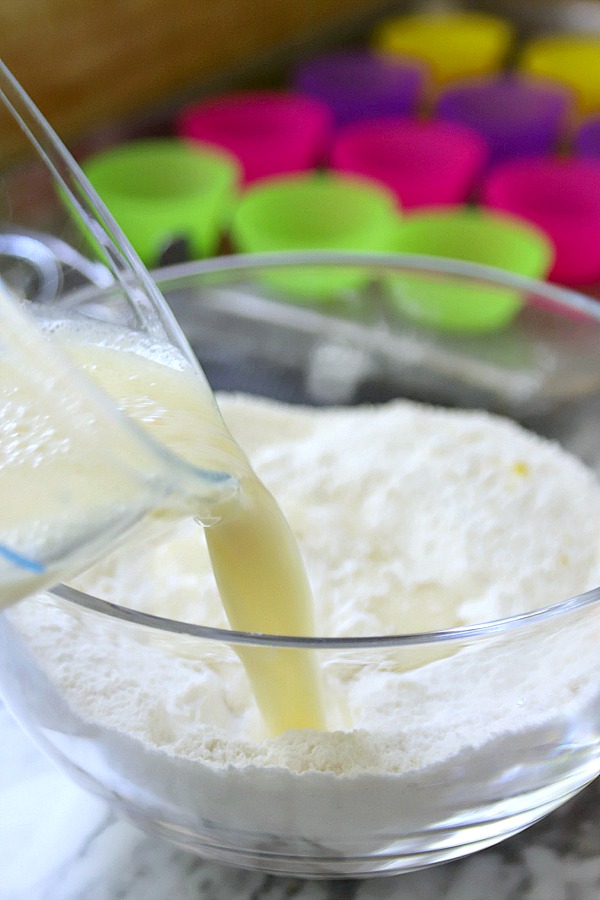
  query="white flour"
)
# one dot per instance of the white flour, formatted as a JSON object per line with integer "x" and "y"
{"x": 409, "y": 518}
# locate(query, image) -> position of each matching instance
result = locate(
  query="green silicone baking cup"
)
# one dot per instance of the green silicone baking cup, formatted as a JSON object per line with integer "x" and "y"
{"x": 316, "y": 212}
{"x": 475, "y": 236}
{"x": 163, "y": 190}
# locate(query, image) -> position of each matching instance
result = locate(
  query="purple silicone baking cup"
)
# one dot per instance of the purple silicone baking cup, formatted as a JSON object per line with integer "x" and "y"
{"x": 517, "y": 117}
{"x": 587, "y": 139}
{"x": 359, "y": 85}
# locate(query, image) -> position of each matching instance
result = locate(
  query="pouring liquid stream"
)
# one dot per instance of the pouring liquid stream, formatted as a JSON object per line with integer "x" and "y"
{"x": 76, "y": 479}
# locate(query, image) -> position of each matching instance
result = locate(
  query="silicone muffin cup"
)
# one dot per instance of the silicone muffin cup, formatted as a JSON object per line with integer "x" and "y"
{"x": 358, "y": 85}
{"x": 570, "y": 60}
{"x": 587, "y": 138}
{"x": 269, "y": 132}
{"x": 560, "y": 196}
{"x": 425, "y": 163}
{"x": 452, "y": 45}
{"x": 165, "y": 190}
{"x": 517, "y": 116}
{"x": 323, "y": 212}
{"x": 475, "y": 236}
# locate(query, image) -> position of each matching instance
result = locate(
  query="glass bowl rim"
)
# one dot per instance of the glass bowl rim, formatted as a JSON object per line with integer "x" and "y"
{"x": 414, "y": 263}
{"x": 420, "y": 264}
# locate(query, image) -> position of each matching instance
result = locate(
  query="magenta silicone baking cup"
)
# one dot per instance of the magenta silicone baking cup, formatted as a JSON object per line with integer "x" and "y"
{"x": 425, "y": 163}
{"x": 518, "y": 117}
{"x": 561, "y": 196}
{"x": 270, "y": 132}
{"x": 358, "y": 85}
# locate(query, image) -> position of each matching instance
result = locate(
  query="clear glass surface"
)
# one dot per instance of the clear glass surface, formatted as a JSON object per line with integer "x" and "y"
{"x": 533, "y": 679}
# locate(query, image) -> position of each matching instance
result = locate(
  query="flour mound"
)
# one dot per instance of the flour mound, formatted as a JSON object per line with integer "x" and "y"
{"x": 410, "y": 518}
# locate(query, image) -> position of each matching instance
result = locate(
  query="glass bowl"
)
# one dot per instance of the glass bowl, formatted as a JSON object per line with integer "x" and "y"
{"x": 447, "y": 737}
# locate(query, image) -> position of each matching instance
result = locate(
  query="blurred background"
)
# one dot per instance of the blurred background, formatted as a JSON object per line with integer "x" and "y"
{"x": 94, "y": 65}
{"x": 91, "y": 65}
{"x": 110, "y": 74}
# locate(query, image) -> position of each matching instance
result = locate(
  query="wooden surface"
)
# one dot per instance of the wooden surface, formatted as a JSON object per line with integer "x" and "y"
{"x": 90, "y": 62}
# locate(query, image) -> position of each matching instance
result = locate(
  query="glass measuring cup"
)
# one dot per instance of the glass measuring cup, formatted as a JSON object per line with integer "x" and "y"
{"x": 75, "y": 473}
{"x": 78, "y": 475}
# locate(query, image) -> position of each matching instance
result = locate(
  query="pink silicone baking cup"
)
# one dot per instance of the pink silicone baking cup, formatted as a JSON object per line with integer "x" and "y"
{"x": 425, "y": 163}
{"x": 561, "y": 196}
{"x": 270, "y": 132}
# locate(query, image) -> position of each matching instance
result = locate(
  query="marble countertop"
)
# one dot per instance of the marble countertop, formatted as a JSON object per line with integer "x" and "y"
{"x": 59, "y": 843}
